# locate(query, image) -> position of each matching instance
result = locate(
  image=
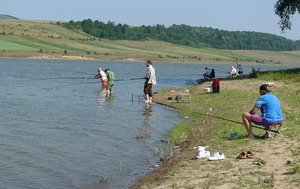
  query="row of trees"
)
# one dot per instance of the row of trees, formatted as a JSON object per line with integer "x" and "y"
{"x": 199, "y": 37}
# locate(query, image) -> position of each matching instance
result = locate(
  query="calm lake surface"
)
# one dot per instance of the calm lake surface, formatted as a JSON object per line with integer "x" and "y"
{"x": 58, "y": 132}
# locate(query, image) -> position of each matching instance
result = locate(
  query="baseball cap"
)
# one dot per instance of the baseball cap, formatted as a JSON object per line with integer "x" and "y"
{"x": 265, "y": 87}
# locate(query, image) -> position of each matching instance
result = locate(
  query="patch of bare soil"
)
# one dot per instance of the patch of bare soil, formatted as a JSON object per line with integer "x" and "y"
{"x": 269, "y": 168}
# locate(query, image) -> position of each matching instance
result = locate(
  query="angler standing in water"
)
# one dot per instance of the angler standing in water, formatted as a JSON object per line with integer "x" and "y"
{"x": 150, "y": 80}
{"x": 111, "y": 81}
{"x": 103, "y": 78}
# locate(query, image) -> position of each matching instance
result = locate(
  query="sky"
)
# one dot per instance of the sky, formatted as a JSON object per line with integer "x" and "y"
{"x": 232, "y": 15}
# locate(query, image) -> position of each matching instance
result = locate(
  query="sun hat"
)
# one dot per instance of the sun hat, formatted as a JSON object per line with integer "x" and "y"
{"x": 99, "y": 69}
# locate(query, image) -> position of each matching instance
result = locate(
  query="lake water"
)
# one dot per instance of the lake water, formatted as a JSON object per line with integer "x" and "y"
{"x": 58, "y": 132}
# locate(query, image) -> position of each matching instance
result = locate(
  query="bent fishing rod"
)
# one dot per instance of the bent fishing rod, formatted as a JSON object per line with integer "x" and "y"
{"x": 233, "y": 121}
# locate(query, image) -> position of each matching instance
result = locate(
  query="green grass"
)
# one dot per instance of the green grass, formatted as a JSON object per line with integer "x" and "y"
{"x": 165, "y": 89}
{"x": 289, "y": 75}
{"x": 7, "y": 45}
{"x": 230, "y": 104}
{"x": 213, "y": 126}
{"x": 182, "y": 132}
{"x": 55, "y": 45}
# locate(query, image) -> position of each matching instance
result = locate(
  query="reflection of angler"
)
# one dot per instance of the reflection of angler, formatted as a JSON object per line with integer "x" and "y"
{"x": 146, "y": 129}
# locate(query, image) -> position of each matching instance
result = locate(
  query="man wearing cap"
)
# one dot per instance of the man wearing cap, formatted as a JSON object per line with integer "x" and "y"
{"x": 103, "y": 78}
{"x": 270, "y": 108}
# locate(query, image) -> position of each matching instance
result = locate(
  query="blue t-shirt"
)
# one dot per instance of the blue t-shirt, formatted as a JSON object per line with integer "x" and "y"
{"x": 270, "y": 107}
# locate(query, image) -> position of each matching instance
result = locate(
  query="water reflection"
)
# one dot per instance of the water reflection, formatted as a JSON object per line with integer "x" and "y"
{"x": 101, "y": 99}
{"x": 147, "y": 113}
{"x": 110, "y": 98}
{"x": 147, "y": 129}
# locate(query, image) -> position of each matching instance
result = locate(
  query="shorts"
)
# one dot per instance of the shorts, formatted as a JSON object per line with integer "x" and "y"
{"x": 148, "y": 89}
{"x": 104, "y": 82}
{"x": 110, "y": 86}
{"x": 260, "y": 120}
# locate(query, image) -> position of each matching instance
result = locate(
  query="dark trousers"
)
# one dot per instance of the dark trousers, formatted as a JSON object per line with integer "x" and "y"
{"x": 216, "y": 89}
{"x": 148, "y": 89}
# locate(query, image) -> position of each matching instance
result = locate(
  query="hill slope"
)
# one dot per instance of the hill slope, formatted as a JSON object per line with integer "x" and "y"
{"x": 4, "y": 16}
{"x": 45, "y": 39}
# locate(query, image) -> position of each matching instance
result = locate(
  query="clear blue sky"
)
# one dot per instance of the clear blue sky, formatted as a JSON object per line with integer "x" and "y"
{"x": 233, "y": 15}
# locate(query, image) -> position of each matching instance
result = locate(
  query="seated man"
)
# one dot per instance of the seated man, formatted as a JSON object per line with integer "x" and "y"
{"x": 270, "y": 108}
{"x": 233, "y": 72}
{"x": 207, "y": 73}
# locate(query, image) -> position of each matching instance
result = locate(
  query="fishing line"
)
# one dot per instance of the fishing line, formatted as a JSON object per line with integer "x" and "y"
{"x": 227, "y": 45}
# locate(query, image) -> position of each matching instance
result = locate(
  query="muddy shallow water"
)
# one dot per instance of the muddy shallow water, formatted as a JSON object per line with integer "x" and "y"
{"x": 59, "y": 131}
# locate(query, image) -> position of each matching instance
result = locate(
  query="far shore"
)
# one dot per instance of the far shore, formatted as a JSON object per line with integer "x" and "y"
{"x": 49, "y": 56}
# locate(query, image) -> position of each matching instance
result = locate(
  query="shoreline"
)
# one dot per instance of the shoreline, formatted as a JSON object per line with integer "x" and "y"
{"x": 172, "y": 173}
{"x": 79, "y": 57}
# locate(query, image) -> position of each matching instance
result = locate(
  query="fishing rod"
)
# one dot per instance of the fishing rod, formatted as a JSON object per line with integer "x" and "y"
{"x": 220, "y": 70}
{"x": 233, "y": 121}
{"x": 58, "y": 78}
{"x": 77, "y": 84}
{"x": 84, "y": 72}
{"x": 125, "y": 79}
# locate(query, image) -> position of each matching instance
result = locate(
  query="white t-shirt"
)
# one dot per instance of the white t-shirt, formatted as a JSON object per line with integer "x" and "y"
{"x": 103, "y": 75}
{"x": 151, "y": 75}
{"x": 233, "y": 70}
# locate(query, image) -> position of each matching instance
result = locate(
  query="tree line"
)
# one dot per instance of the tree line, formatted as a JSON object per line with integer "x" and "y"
{"x": 198, "y": 37}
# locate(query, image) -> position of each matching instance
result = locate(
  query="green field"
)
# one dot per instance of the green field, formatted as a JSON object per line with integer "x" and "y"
{"x": 45, "y": 39}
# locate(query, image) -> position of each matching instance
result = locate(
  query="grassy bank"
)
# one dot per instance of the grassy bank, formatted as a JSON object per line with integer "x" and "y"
{"x": 268, "y": 169}
{"x": 46, "y": 39}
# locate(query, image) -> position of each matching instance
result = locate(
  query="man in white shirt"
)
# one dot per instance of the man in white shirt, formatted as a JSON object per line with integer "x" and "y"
{"x": 207, "y": 73}
{"x": 101, "y": 75}
{"x": 233, "y": 72}
{"x": 150, "y": 80}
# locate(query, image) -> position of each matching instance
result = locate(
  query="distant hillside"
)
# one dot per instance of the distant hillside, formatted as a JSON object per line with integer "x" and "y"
{"x": 52, "y": 40}
{"x": 198, "y": 37}
{"x": 7, "y": 17}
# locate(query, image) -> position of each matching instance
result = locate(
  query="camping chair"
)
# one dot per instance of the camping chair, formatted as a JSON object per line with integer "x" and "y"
{"x": 274, "y": 128}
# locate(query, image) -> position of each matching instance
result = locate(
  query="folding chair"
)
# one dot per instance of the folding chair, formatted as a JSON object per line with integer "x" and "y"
{"x": 274, "y": 128}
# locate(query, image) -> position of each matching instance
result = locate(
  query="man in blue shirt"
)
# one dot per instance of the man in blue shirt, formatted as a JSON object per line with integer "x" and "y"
{"x": 270, "y": 108}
